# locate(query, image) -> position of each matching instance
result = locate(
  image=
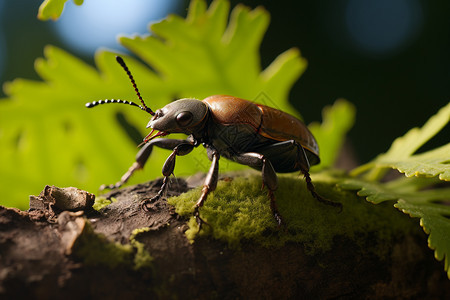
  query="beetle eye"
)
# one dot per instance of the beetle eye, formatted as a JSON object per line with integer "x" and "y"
{"x": 184, "y": 118}
{"x": 158, "y": 114}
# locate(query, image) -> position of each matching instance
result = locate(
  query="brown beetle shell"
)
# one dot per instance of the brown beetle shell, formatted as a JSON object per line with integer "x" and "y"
{"x": 267, "y": 121}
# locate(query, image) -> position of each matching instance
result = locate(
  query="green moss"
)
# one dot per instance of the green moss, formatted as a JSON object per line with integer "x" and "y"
{"x": 239, "y": 210}
{"x": 142, "y": 259}
{"x": 95, "y": 249}
{"x": 101, "y": 202}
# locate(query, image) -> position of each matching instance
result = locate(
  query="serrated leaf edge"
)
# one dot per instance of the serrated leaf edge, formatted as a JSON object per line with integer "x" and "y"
{"x": 428, "y": 231}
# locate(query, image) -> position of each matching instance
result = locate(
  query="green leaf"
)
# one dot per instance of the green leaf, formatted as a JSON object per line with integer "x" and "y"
{"x": 52, "y": 9}
{"x": 416, "y": 194}
{"x": 434, "y": 220}
{"x": 47, "y": 136}
{"x": 410, "y": 189}
{"x": 418, "y": 198}
{"x": 330, "y": 134}
{"x": 432, "y": 163}
{"x": 401, "y": 154}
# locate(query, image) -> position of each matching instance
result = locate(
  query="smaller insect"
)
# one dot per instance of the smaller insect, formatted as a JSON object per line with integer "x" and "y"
{"x": 251, "y": 134}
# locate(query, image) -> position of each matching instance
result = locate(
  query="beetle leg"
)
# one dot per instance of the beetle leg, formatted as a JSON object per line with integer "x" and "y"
{"x": 304, "y": 168}
{"x": 142, "y": 157}
{"x": 167, "y": 170}
{"x": 209, "y": 185}
{"x": 269, "y": 177}
{"x": 270, "y": 180}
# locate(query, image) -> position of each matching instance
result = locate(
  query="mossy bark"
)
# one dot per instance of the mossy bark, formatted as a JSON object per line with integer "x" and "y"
{"x": 126, "y": 253}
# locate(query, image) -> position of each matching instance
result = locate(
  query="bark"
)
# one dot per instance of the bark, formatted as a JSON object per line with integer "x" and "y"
{"x": 49, "y": 252}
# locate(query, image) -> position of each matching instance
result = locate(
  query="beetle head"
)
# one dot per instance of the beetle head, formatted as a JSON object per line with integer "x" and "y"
{"x": 181, "y": 116}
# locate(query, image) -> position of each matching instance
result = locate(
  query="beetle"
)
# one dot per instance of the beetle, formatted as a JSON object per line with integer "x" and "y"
{"x": 248, "y": 133}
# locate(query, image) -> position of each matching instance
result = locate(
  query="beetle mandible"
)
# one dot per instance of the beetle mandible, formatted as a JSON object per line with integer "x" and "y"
{"x": 251, "y": 134}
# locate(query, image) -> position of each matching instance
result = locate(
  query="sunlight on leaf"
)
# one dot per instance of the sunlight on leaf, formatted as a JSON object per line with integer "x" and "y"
{"x": 47, "y": 136}
{"x": 52, "y": 9}
{"x": 430, "y": 164}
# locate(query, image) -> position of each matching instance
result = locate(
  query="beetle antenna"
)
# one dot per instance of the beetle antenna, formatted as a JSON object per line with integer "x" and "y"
{"x": 124, "y": 66}
{"x": 106, "y": 101}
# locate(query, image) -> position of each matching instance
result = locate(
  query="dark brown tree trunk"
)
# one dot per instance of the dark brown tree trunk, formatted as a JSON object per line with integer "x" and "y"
{"x": 51, "y": 253}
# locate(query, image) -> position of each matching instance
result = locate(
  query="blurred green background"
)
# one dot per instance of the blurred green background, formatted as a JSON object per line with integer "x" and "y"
{"x": 390, "y": 58}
